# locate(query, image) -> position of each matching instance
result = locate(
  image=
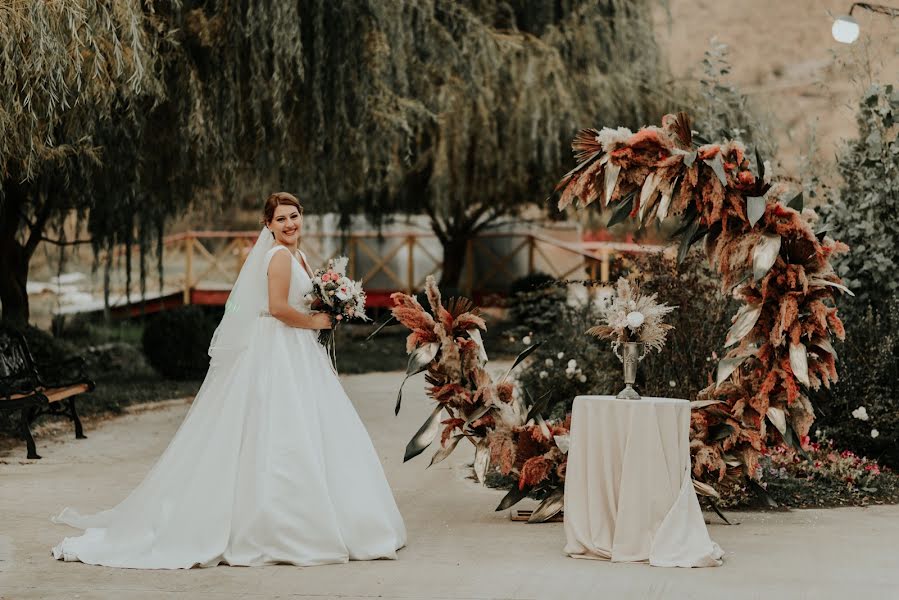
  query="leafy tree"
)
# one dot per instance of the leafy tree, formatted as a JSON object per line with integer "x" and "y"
{"x": 864, "y": 214}
{"x": 464, "y": 110}
{"x": 122, "y": 112}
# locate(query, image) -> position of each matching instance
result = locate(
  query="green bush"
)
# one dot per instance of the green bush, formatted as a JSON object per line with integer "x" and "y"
{"x": 864, "y": 217}
{"x": 47, "y": 349}
{"x": 864, "y": 214}
{"x": 701, "y": 320}
{"x": 538, "y": 309}
{"x": 549, "y": 373}
{"x": 176, "y": 342}
{"x": 530, "y": 282}
{"x": 868, "y": 367}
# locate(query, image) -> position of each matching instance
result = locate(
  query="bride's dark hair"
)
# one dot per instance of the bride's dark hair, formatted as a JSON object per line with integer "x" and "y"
{"x": 275, "y": 200}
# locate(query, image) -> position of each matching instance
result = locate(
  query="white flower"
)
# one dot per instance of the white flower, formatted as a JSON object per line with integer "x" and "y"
{"x": 861, "y": 413}
{"x": 672, "y": 383}
{"x": 526, "y": 340}
{"x": 344, "y": 292}
{"x": 874, "y": 433}
{"x": 548, "y": 362}
{"x": 560, "y": 355}
{"x": 543, "y": 374}
{"x": 582, "y": 378}
{"x": 634, "y": 319}
{"x": 572, "y": 364}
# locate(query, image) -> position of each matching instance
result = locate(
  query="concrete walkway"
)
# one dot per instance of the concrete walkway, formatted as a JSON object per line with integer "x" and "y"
{"x": 458, "y": 547}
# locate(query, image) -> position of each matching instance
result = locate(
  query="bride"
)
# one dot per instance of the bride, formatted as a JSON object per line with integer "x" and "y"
{"x": 271, "y": 464}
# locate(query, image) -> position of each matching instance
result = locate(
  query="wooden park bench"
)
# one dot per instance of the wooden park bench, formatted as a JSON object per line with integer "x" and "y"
{"x": 35, "y": 390}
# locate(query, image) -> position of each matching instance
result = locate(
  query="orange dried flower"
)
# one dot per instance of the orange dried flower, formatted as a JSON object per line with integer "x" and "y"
{"x": 534, "y": 471}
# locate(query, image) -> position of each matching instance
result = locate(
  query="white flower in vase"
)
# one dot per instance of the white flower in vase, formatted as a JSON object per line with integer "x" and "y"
{"x": 633, "y": 317}
{"x": 634, "y": 320}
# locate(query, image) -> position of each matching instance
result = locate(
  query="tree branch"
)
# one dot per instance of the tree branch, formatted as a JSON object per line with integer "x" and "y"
{"x": 438, "y": 227}
{"x": 40, "y": 220}
{"x": 25, "y": 218}
{"x": 65, "y": 242}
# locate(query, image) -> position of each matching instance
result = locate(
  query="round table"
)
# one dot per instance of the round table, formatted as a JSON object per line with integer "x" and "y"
{"x": 628, "y": 491}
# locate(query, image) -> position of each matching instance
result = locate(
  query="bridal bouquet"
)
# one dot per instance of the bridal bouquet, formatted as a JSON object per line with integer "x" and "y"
{"x": 339, "y": 296}
{"x": 632, "y": 317}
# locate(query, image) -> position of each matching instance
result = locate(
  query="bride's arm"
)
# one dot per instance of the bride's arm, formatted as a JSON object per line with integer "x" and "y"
{"x": 278, "y": 289}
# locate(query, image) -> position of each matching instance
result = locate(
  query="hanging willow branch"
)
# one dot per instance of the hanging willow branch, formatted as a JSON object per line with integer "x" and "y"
{"x": 133, "y": 109}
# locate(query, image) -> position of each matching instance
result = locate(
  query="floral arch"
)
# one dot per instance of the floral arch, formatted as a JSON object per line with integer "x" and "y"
{"x": 761, "y": 242}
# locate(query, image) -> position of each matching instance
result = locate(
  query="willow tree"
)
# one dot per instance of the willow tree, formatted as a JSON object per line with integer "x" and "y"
{"x": 65, "y": 67}
{"x": 123, "y": 111}
{"x": 120, "y": 112}
{"x": 462, "y": 110}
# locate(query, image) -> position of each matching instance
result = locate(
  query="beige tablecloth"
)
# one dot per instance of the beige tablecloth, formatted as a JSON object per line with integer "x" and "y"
{"x": 628, "y": 492}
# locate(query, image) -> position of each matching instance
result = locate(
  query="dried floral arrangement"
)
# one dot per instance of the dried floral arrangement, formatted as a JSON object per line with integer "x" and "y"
{"x": 490, "y": 414}
{"x": 634, "y": 317}
{"x": 762, "y": 244}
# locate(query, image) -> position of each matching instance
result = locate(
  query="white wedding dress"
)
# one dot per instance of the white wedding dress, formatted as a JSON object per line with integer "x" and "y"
{"x": 271, "y": 464}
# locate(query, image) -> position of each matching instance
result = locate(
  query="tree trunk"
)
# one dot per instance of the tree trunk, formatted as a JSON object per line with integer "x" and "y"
{"x": 455, "y": 248}
{"x": 14, "y": 259}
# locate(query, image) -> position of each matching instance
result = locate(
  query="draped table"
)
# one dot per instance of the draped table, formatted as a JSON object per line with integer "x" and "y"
{"x": 629, "y": 496}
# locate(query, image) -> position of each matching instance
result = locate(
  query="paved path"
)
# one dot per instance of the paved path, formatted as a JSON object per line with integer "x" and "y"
{"x": 458, "y": 547}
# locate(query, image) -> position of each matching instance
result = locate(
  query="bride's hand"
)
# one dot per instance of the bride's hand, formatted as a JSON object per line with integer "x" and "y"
{"x": 321, "y": 320}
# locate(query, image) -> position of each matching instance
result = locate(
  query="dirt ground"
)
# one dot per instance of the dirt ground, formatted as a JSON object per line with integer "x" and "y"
{"x": 458, "y": 548}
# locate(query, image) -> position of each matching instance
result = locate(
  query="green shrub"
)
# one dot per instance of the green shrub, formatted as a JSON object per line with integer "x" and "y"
{"x": 44, "y": 347}
{"x": 868, "y": 367}
{"x": 530, "y": 282}
{"x": 864, "y": 214}
{"x": 701, "y": 320}
{"x": 550, "y": 373}
{"x": 864, "y": 217}
{"x": 176, "y": 342}
{"x": 538, "y": 310}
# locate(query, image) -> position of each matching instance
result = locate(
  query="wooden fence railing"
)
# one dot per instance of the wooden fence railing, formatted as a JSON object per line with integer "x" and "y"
{"x": 200, "y": 266}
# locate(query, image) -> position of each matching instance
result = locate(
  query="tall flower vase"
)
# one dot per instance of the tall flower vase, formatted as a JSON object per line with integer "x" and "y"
{"x": 633, "y": 353}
